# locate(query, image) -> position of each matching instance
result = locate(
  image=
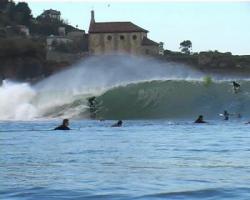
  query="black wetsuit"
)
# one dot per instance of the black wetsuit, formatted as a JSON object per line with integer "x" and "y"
{"x": 92, "y": 101}
{"x": 92, "y": 107}
{"x": 118, "y": 124}
{"x": 236, "y": 87}
{"x": 62, "y": 127}
{"x": 200, "y": 121}
{"x": 226, "y": 115}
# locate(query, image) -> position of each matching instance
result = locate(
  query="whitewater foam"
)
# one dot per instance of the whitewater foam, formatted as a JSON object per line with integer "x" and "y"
{"x": 16, "y": 101}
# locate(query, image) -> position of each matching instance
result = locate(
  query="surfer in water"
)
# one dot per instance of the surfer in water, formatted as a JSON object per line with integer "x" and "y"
{"x": 236, "y": 87}
{"x": 117, "y": 124}
{"x": 226, "y": 115}
{"x": 200, "y": 120}
{"x": 64, "y": 125}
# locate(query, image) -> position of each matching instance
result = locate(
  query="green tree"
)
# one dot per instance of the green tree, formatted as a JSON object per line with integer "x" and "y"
{"x": 22, "y": 13}
{"x": 186, "y": 46}
{"x": 3, "y": 4}
{"x": 11, "y": 10}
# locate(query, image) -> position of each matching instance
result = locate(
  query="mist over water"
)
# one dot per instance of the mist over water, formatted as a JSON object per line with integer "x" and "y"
{"x": 65, "y": 93}
{"x": 108, "y": 71}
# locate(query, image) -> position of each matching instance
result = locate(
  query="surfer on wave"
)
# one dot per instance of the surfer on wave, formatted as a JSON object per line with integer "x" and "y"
{"x": 236, "y": 87}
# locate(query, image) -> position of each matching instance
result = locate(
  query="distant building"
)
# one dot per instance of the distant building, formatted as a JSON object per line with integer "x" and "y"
{"x": 119, "y": 37}
{"x": 53, "y": 41}
{"x": 52, "y": 14}
{"x": 61, "y": 31}
{"x": 161, "y": 48}
{"x": 76, "y": 35}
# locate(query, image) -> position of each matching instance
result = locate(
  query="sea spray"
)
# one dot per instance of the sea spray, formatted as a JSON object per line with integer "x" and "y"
{"x": 16, "y": 101}
{"x": 99, "y": 72}
{"x": 95, "y": 75}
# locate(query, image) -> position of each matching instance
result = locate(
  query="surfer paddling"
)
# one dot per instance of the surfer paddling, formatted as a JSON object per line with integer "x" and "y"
{"x": 200, "y": 120}
{"x": 226, "y": 115}
{"x": 117, "y": 124}
{"x": 64, "y": 125}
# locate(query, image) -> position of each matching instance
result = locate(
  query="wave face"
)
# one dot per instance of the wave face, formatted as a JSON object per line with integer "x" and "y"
{"x": 170, "y": 99}
{"x": 126, "y": 87}
{"x": 173, "y": 99}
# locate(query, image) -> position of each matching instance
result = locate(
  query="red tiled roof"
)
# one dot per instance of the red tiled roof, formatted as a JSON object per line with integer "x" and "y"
{"x": 148, "y": 42}
{"x": 114, "y": 27}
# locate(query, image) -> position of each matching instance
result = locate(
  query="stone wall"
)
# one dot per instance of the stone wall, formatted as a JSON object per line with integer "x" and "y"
{"x": 58, "y": 40}
{"x": 150, "y": 50}
{"x": 64, "y": 57}
{"x": 106, "y": 43}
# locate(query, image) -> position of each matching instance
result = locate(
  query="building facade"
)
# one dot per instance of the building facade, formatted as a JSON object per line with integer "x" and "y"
{"x": 119, "y": 37}
{"x": 52, "y": 14}
{"x": 56, "y": 40}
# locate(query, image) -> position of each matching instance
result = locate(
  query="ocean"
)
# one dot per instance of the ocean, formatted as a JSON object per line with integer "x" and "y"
{"x": 144, "y": 159}
{"x": 158, "y": 153}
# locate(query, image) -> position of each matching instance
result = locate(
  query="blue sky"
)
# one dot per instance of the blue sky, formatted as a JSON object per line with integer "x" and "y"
{"x": 223, "y": 26}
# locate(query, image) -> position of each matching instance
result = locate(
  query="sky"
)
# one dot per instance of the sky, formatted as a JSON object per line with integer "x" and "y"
{"x": 222, "y": 26}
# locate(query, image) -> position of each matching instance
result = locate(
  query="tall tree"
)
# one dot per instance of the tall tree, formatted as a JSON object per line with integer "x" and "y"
{"x": 3, "y": 4}
{"x": 22, "y": 13}
{"x": 186, "y": 46}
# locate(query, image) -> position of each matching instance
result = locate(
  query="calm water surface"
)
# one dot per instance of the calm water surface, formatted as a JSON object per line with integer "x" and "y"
{"x": 142, "y": 160}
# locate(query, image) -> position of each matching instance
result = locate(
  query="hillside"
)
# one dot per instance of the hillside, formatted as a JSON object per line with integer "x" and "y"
{"x": 24, "y": 53}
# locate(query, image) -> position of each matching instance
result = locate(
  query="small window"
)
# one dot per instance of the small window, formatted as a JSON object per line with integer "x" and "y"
{"x": 121, "y": 37}
{"x": 134, "y": 37}
{"x": 146, "y": 51}
{"x": 109, "y": 37}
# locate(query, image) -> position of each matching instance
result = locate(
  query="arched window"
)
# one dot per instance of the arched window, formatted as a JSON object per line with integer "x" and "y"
{"x": 121, "y": 37}
{"x": 134, "y": 37}
{"x": 109, "y": 37}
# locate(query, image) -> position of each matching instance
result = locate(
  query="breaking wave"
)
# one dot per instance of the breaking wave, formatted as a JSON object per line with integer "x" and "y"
{"x": 125, "y": 87}
{"x": 173, "y": 99}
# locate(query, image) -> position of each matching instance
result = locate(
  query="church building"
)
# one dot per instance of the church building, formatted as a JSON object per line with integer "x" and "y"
{"x": 119, "y": 37}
